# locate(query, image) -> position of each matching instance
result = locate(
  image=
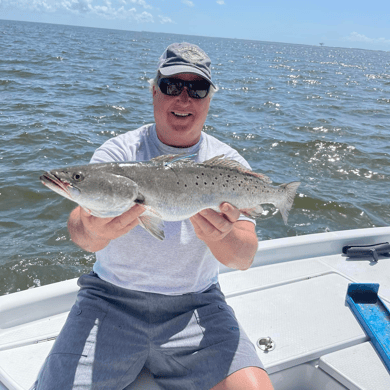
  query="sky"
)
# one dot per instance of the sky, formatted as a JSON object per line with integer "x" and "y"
{"x": 342, "y": 23}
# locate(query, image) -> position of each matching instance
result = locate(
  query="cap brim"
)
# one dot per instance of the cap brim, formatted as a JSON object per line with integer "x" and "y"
{"x": 173, "y": 70}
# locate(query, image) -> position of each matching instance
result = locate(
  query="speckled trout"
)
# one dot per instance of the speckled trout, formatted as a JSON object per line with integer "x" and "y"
{"x": 170, "y": 187}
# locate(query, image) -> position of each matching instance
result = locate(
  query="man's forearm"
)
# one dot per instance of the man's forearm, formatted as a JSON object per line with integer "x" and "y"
{"x": 237, "y": 250}
{"x": 81, "y": 236}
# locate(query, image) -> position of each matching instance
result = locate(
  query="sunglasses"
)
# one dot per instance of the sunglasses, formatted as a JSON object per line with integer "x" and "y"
{"x": 197, "y": 89}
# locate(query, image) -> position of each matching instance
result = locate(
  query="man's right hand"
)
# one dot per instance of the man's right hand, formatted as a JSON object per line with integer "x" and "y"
{"x": 93, "y": 234}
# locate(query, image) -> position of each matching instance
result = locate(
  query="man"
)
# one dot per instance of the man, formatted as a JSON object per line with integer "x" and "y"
{"x": 158, "y": 303}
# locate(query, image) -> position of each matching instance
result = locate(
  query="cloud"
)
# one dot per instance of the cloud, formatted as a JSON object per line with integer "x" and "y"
{"x": 76, "y": 6}
{"x": 141, "y": 3}
{"x": 188, "y": 2}
{"x": 107, "y": 9}
{"x": 145, "y": 17}
{"x": 165, "y": 19}
{"x": 356, "y": 37}
{"x": 220, "y": 2}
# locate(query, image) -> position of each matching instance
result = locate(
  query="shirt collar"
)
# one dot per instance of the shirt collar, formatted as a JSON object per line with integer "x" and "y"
{"x": 166, "y": 149}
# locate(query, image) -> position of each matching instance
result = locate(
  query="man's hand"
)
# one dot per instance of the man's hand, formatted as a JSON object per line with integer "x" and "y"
{"x": 232, "y": 242}
{"x": 111, "y": 228}
{"x": 93, "y": 234}
{"x": 210, "y": 225}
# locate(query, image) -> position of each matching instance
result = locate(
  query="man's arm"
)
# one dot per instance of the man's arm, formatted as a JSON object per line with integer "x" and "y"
{"x": 93, "y": 234}
{"x": 233, "y": 243}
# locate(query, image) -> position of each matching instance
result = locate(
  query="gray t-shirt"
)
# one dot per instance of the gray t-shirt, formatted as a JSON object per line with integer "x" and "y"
{"x": 181, "y": 263}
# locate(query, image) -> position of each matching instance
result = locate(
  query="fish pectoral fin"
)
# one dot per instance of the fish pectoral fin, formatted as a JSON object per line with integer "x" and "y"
{"x": 151, "y": 211}
{"x": 254, "y": 212}
{"x": 152, "y": 222}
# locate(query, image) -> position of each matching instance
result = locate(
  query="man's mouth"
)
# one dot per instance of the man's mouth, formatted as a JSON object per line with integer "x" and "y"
{"x": 180, "y": 114}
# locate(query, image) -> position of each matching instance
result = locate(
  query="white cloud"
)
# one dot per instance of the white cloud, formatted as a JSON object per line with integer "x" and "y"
{"x": 141, "y": 3}
{"x": 107, "y": 9}
{"x": 356, "y": 37}
{"x": 188, "y": 2}
{"x": 165, "y": 19}
{"x": 220, "y": 2}
{"x": 145, "y": 17}
{"x": 76, "y": 6}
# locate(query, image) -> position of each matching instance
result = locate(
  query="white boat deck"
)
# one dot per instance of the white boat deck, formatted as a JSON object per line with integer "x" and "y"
{"x": 294, "y": 293}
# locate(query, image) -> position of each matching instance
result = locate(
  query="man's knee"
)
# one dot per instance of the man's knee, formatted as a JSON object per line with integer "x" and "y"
{"x": 249, "y": 378}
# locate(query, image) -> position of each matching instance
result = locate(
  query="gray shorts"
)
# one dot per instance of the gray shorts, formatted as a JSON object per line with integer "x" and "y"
{"x": 190, "y": 341}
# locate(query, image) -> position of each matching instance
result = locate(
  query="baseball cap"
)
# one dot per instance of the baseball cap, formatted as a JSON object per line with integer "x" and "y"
{"x": 185, "y": 58}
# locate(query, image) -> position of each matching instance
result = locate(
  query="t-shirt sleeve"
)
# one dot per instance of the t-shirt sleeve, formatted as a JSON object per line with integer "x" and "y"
{"x": 119, "y": 149}
{"x": 110, "y": 151}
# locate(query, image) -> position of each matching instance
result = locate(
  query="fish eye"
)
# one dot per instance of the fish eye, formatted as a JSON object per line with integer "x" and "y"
{"x": 78, "y": 176}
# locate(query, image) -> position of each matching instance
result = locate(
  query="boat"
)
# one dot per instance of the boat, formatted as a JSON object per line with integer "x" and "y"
{"x": 291, "y": 302}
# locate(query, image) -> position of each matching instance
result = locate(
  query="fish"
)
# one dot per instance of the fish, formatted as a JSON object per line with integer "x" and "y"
{"x": 170, "y": 187}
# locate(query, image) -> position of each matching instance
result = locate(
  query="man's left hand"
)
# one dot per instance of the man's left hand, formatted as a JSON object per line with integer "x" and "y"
{"x": 210, "y": 225}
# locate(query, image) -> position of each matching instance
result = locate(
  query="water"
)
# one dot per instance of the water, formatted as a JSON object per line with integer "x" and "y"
{"x": 316, "y": 114}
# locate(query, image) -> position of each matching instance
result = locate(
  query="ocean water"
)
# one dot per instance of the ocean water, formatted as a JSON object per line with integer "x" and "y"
{"x": 320, "y": 115}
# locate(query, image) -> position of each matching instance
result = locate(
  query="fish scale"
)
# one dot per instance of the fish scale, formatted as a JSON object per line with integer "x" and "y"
{"x": 172, "y": 188}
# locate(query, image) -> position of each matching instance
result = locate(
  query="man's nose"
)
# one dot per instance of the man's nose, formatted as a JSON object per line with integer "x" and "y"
{"x": 184, "y": 97}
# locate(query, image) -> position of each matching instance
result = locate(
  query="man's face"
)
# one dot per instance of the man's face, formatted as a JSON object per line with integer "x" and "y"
{"x": 179, "y": 119}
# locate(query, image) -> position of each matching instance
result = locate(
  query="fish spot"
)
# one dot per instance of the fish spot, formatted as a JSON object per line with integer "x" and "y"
{"x": 205, "y": 183}
{"x": 196, "y": 183}
{"x": 185, "y": 185}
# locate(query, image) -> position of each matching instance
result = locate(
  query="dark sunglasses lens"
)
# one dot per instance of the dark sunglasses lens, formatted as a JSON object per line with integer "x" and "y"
{"x": 174, "y": 87}
{"x": 168, "y": 87}
{"x": 198, "y": 89}
{"x": 198, "y": 93}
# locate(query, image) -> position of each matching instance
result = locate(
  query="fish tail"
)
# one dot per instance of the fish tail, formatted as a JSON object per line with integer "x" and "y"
{"x": 285, "y": 205}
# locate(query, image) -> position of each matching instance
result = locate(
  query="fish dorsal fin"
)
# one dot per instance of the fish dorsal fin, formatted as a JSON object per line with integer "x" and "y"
{"x": 221, "y": 161}
{"x": 171, "y": 158}
{"x": 164, "y": 158}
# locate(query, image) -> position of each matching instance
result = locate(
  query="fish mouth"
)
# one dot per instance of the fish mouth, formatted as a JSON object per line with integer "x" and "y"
{"x": 56, "y": 184}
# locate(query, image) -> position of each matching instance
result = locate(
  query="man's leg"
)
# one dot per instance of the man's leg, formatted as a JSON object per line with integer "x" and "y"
{"x": 101, "y": 346}
{"x": 201, "y": 344}
{"x": 250, "y": 378}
